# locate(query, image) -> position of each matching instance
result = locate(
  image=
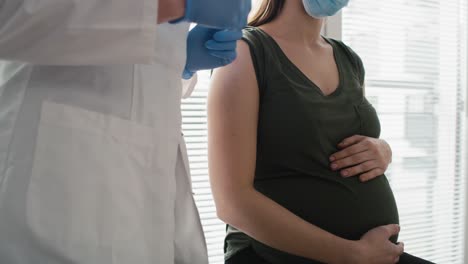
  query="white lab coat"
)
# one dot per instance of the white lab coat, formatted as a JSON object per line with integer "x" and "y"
{"x": 93, "y": 167}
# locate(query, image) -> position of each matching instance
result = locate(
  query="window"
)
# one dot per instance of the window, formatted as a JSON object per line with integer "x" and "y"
{"x": 195, "y": 131}
{"x": 414, "y": 52}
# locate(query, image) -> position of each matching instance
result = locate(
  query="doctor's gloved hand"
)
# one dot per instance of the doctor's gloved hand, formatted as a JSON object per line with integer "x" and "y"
{"x": 221, "y": 14}
{"x": 209, "y": 48}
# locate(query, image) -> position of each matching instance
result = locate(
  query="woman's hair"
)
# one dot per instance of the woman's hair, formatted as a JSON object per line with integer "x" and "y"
{"x": 268, "y": 11}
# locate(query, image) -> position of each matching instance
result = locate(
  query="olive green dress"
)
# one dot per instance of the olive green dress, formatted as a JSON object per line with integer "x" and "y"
{"x": 298, "y": 129}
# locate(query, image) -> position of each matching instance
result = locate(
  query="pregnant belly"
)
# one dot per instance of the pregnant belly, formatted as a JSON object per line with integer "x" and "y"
{"x": 347, "y": 208}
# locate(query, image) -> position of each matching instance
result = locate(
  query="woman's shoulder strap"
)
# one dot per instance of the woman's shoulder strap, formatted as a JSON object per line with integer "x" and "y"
{"x": 259, "y": 53}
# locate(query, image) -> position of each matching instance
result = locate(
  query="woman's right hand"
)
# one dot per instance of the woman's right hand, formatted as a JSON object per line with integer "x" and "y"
{"x": 376, "y": 248}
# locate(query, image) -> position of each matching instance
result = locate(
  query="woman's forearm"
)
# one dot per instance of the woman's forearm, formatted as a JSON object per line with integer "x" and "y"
{"x": 268, "y": 222}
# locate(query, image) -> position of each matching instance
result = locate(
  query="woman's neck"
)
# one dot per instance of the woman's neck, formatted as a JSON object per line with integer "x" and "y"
{"x": 294, "y": 24}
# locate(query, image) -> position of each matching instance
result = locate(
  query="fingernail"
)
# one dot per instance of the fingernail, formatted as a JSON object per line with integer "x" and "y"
{"x": 334, "y": 166}
{"x": 344, "y": 173}
{"x": 332, "y": 158}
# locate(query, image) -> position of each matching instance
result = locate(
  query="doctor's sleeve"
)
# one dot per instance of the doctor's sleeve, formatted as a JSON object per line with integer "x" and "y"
{"x": 78, "y": 32}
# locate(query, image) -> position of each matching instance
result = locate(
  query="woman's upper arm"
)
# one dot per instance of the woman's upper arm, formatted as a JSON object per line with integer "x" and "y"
{"x": 232, "y": 126}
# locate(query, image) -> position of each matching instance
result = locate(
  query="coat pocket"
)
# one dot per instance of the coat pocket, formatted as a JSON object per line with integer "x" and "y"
{"x": 91, "y": 196}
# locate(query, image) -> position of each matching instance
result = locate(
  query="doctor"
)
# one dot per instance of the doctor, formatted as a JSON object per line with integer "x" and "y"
{"x": 93, "y": 167}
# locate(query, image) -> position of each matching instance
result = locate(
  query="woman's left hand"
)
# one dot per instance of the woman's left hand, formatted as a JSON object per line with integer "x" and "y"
{"x": 363, "y": 155}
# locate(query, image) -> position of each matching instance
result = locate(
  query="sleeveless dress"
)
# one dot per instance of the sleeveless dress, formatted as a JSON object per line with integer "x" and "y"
{"x": 298, "y": 129}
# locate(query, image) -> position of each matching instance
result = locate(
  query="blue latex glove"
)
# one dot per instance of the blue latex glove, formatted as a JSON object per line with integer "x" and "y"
{"x": 221, "y": 14}
{"x": 209, "y": 48}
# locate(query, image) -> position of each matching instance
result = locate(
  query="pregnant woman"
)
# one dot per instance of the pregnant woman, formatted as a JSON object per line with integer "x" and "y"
{"x": 288, "y": 125}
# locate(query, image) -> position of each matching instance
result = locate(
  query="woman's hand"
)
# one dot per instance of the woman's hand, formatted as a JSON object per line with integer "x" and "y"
{"x": 376, "y": 248}
{"x": 363, "y": 155}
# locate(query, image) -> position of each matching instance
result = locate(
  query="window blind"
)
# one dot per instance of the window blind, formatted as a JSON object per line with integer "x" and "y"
{"x": 414, "y": 52}
{"x": 195, "y": 131}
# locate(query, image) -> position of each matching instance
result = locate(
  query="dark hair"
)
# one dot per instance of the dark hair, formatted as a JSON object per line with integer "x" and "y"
{"x": 268, "y": 11}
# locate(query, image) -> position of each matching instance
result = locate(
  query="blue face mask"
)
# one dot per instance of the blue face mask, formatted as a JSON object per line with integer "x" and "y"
{"x": 323, "y": 8}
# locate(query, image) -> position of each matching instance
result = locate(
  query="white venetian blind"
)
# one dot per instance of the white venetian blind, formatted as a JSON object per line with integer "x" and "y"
{"x": 414, "y": 52}
{"x": 195, "y": 131}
